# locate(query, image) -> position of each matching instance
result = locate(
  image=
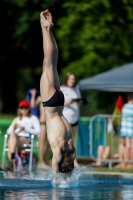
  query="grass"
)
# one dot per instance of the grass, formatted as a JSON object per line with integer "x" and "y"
{"x": 7, "y": 116}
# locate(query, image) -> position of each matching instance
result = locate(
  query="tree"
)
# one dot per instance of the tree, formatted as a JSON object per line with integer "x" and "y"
{"x": 21, "y": 52}
{"x": 95, "y": 36}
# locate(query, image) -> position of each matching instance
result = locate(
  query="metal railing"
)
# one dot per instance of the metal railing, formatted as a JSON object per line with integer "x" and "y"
{"x": 102, "y": 130}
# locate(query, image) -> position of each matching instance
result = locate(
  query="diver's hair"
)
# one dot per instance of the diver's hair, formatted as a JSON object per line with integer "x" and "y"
{"x": 20, "y": 114}
{"x": 66, "y": 166}
{"x": 67, "y": 77}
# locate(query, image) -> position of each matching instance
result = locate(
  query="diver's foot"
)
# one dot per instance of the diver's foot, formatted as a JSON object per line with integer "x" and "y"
{"x": 46, "y": 19}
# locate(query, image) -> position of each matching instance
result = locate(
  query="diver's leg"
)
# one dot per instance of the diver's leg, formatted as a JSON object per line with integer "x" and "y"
{"x": 49, "y": 81}
{"x": 57, "y": 81}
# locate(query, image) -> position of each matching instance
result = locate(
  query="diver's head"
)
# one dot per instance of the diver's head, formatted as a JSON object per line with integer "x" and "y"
{"x": 67, "y": 163}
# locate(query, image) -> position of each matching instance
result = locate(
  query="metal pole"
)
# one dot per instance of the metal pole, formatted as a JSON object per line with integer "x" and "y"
{"x": 31, "y": 153}
{"x": 4, "y": 150}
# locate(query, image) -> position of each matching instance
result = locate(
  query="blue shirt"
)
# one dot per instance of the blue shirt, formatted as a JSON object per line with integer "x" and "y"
{"x": 127, "y": 120}
{"x": 35, "y": 111}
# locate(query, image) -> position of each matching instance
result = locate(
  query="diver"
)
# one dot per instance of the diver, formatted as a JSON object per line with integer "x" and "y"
{"x": 59, "y": 131}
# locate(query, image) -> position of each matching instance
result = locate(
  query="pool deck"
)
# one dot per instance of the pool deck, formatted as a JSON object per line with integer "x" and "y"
{"x": 109, "y": 173}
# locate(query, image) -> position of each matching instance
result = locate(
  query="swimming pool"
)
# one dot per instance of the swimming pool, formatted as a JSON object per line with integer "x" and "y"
{"x": 38, "y": 186}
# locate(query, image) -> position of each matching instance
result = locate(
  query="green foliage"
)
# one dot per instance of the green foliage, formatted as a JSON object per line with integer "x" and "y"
{"x": 31, "y": 81}
{"x": 95, "y": 36}
{"x": 92, "y": 36}
{"x": 21, "y": 47}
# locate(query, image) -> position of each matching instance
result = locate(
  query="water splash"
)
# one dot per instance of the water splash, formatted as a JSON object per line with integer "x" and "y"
{"x": 67, "y": 180}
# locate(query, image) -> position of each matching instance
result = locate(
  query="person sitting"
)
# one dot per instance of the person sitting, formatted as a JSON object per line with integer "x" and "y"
{"x": 122, "y": 153}
{"x": 20, "y": 130}
{"x": 105, "y": 153}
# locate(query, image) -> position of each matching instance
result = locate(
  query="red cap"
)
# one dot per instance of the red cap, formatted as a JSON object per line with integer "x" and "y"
{"x": 24, "y": 103}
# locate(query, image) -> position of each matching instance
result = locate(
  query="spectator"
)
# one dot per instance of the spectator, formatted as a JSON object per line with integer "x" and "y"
{"x": 20, "y": 129}
{"x": 35, "y": 110}
{"x": 122, "y": 153}
{"x": 105, "y": 153}
{"x": 34, "y": 103}
{"x": 127, "y": 128}
{"x": 72, "y": 97}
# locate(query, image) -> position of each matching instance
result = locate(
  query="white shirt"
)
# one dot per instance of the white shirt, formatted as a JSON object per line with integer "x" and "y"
{"x": 31, "y": 125}
{"x": 71, "y": 112}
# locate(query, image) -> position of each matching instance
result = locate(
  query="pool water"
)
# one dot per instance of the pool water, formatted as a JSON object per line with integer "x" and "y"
{"x": 82, "y": 185}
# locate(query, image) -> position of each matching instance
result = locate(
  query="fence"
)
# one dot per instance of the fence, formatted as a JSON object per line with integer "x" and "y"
{"x": 84, "y": 139}
{"x": 110, "y": 134}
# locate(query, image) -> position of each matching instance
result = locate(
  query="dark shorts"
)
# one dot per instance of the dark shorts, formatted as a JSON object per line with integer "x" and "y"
{"x": 75, "y": 124}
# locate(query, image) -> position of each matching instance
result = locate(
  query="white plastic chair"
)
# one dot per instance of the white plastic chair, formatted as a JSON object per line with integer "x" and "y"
{"x": 28, "y": 148}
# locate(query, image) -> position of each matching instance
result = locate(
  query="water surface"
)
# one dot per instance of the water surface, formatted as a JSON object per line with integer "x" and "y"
{"x": 83, "y": 185}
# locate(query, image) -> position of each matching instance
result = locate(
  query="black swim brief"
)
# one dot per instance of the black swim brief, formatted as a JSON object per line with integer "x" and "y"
{"x": 56, "y": 100}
